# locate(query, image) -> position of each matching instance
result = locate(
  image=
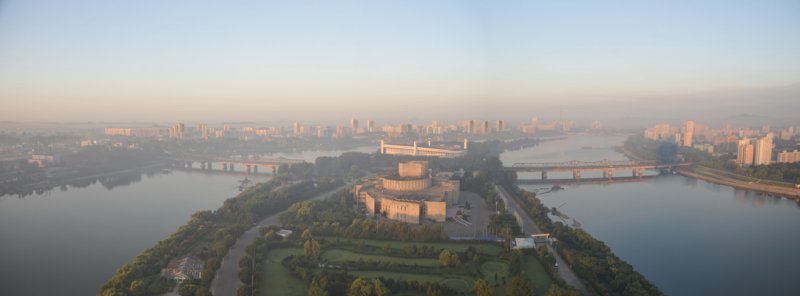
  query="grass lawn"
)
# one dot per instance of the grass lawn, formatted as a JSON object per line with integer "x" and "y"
{"x": 337, "y": 255}
{"x": 488, "y": 248}
{"x": 276, "y": 280}
{"x": 460, "y": 283}
{"x": 536, "y": 274}
{"x": 489, "y": 269}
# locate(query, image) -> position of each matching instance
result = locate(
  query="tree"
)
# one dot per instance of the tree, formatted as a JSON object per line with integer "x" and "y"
{"x": 519, "y": 287}
{"x": 316, "y": 290}
{"x": 360, "y": 287}
{"x": 311, "y": 248}
{"x": 482, "y": 288}
{"x": 379, "y": 288}
{"x": 445, "y": 257}
{"x": 306, "y": 234}
{"x": 138, "y": 287}
{"x": 187, "y": 289}
{"x": 455, "y": 261}
{"x": 431, "y": 291}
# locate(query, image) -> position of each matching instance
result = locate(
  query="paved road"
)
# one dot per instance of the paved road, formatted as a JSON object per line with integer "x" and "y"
{"x": 226, "y": 281}
{"x": 528, "y": 228}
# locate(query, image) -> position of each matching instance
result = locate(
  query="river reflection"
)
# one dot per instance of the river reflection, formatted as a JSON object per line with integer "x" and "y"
{"x": 687, "y": 236}
{"x": 76, "y": 237}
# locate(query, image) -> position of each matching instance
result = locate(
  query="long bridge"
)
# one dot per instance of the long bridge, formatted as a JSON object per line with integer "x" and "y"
{"x": 229, "y": 163}
{"x": 607, "y": 166}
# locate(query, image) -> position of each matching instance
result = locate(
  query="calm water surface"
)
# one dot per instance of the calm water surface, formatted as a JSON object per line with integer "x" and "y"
{"x": 687, "y": 236}
{"x": 71, "y": 242}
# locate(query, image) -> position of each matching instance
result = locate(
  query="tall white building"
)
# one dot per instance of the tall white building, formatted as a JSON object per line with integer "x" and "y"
{"x": 763, "y": 150}
{"x": 688, "y": 133}
{"x": 744, "y": 155}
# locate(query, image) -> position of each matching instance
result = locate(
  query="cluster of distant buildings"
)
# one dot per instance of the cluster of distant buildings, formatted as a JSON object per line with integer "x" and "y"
{"x": 356, "y": 128}
{"x": 752, "y": 146}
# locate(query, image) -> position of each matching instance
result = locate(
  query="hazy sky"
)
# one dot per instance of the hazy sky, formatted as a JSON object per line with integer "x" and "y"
{"x": 260, "y": 60}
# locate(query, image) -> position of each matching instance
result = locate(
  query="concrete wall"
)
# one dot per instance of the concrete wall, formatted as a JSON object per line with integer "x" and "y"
{"x": 404, "y": 211}
{"x": 413, "y": 169}
{"x": 436, "y": 210}
{"x": 406, "y": 185}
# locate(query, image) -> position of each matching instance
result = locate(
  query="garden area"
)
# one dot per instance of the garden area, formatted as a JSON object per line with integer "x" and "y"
{"x": 452, "y": 268}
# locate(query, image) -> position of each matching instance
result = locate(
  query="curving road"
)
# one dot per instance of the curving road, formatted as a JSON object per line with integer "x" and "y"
{"x": 226, "y": 280}
{"x": 529, "y": 227}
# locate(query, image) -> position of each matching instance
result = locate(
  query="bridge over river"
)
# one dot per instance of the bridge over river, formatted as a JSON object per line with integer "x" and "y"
{"x": 608, "y": 167}
{"x": 228, "y": 164}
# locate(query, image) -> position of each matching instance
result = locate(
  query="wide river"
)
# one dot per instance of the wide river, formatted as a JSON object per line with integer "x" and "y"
{"x": 70, "y": 242}
{"x": 687, "y": 236}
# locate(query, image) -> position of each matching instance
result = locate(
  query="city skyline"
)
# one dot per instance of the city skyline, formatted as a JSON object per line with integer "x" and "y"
{"x": 156, "y": 61}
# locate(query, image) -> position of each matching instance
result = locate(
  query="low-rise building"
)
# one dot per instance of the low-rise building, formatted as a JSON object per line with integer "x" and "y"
{"x": 409, "y": 196}
{"x": 185, "y": 268}
{"x": 787, "y": 156}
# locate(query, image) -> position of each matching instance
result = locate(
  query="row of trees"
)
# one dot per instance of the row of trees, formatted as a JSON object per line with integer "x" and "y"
{"x": 590, "y": 258}
{"x": 208, "y": 235}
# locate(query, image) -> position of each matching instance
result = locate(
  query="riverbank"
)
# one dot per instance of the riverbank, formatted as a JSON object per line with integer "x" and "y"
{"x": 52, "y": 182}
{"x": 708, "y": 176}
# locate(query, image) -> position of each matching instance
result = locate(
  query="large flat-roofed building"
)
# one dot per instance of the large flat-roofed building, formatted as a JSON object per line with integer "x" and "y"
{"x": 412, "y": 195}
{"x": 787, "y": 156}
{"x": 414, "y": 149}
{"x": 134, "y": 131}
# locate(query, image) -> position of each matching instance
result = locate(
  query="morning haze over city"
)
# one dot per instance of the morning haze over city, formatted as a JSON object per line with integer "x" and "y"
{"x": 399, "y": 148}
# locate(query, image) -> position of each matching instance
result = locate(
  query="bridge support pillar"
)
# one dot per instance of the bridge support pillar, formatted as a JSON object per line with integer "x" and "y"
{"x": 224, "y": 167}
{"x": 576, "y": 175}
{"x": 210, "y": 167}
{"x": 249, "y": 169}
{"x": 255, "y": 169}
{"x": 274, "y": 170}
{"x": 608, "y": 174}
{"x": 231, "y": 167}
{"x": 544, "y": 175}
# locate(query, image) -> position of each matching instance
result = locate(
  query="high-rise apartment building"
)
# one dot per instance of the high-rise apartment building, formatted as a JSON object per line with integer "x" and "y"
{"x": 202, "y": 129}
{"x": 371, "y": 126}
{"x": 470, "y": 126}
{"x": 501, "y": 125}
{"x": 176, "y": 131}
{"x": 763, "y": 150}
{"x": 297, "y": 128}
{"x": 688, "y": 133}
{"x": 744, "y": 155}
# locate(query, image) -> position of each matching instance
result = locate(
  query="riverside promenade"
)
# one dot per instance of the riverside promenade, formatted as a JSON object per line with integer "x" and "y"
{"x": 529, "y": 227}
{"x": 716, "y": 177}
{"x": 226, "y": 279}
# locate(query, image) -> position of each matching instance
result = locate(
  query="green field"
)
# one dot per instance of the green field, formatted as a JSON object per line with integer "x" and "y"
{"x": 276, "y": 280}
{"x": 488, "y": 248}
{"x": 489, "y": 269}
{"x": 536, "y": 274}
{"x": 337, "y": 256}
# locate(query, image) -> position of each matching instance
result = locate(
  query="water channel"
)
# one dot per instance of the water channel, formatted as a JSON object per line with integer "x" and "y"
{"x": 687, "y": 236}
{"x": 71, "y": 240}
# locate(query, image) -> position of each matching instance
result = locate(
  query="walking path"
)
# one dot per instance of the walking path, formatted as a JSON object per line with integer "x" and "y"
{"x": 226, "y": 280}
{"x": 718, "y": 177}
{"x": 529, "y": 227}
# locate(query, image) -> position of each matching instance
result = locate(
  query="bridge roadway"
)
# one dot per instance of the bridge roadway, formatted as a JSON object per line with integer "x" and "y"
{"x": 228, "y": 164}
{"x": 607, "y": 166}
